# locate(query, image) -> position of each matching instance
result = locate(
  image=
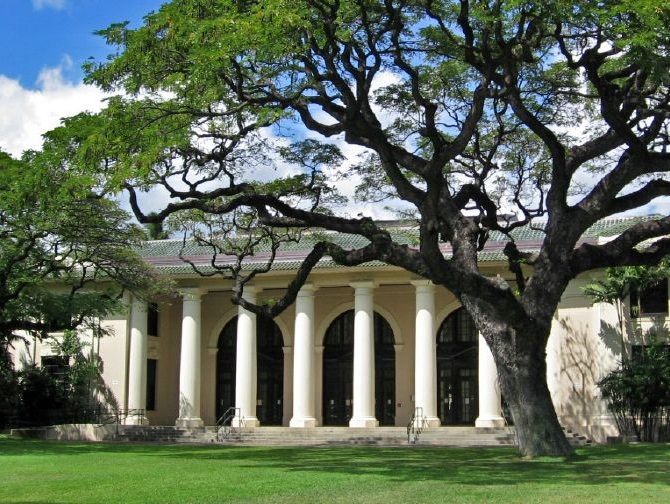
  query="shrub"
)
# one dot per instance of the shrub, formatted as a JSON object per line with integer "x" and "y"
{"x": 638, "y": 394}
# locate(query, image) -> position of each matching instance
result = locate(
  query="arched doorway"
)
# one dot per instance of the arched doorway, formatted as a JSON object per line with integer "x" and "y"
{"x": 226, "y": 360}
{"x": 338, "y": 355}
{"x": 384, "y": 372}
{"x": 457, "y": 383}
{"x": 270, "y": 385}
{"x": 270, "y": 370}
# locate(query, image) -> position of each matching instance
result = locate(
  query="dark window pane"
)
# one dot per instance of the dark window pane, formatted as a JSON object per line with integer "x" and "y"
{"x": 652, "y": 300}
{"x": 152, "y": 319}
{"x": 151, "y": 384}
{"x": 457, "y": 385}
{"x": 56, "y": 366}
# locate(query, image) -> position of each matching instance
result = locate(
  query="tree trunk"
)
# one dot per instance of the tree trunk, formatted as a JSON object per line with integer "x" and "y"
{"x": 524, "y": 386}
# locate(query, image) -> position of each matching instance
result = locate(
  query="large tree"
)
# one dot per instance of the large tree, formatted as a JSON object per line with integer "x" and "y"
{"x": 461, "y": 111}
{"x": 66, "y": 254}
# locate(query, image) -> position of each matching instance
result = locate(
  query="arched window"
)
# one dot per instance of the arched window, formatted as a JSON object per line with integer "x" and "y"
{"x": 457, "y": 382}
{"x": 270, "y": 370}
{"x": 338, "y": 357}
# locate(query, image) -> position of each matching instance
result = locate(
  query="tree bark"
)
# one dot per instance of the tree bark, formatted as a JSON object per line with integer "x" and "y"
{"x": 523, "y": 382}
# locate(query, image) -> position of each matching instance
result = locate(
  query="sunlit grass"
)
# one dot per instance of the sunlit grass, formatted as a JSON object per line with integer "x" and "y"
{"x": 54, "y": 472}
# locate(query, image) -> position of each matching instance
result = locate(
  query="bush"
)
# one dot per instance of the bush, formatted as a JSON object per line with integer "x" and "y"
{"x": 9, "y": 392}
{"x": 638, "y": 394}
{"x": 42, "y": 396}
{"x": 50, "y": 395}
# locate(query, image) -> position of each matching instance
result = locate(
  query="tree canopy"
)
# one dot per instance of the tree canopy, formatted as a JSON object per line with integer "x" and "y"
{"x": 460, "y": 113}
{"x": 66, "y": 254}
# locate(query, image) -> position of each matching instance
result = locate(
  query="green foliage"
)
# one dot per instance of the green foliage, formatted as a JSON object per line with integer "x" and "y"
{"x": 616, "y": 286}
{"x": 9, "y": 385}
{"x": 618, "y": 283}
{"x": 56, "y": 238}
{"x": 638, "y": 394}
{"x": 66, "y": 394}
{"x": 43, "y": 398}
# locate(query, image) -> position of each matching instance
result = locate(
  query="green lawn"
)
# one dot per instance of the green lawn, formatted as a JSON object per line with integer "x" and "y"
{"x": 41, "y": 472}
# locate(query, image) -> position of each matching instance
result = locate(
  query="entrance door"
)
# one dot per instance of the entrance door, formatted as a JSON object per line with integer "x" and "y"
{"x": 338, "y": 357}
{"x": 384, "y": 372}
{"x": 457, "y": 383}
{"x": 270, "y": 396}
{"x": 270, "y": 371}
{"x": 226, "y": 360}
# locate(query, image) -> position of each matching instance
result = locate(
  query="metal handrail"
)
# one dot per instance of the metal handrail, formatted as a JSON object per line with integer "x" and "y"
{"x": 416, "y": 425}
{"x": 117, "y": 416}
{"x": 224, "y": 425}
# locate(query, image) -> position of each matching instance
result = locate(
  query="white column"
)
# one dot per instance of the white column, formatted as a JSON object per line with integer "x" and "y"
{"x": 137, "y": 364}
{"x": 303, "y": 360}
{"x": 489, "y": 389}
{"x": 318, "y": 351}
{"x": 425, "y": 357}
{"x": 189, "y": 365}
{"x": 287, "y": 390}
{"x": 364, "y": 357}
{"x": 245, "y": 378}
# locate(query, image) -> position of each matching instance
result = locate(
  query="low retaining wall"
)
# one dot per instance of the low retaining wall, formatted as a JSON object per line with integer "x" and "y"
{"x": 68, "y": 432}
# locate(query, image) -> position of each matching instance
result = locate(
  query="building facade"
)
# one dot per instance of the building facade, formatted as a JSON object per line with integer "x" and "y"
{"x": 360, "y": 347}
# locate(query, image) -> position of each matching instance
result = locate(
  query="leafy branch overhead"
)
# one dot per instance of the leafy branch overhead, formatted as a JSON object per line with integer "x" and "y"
{"x": 60, "y": 246}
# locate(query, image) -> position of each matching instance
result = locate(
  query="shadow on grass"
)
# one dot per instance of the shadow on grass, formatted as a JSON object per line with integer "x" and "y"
{"x": 601, "y": 465}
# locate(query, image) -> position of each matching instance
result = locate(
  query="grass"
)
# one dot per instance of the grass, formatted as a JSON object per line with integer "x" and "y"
{"x": 40, "y": 472}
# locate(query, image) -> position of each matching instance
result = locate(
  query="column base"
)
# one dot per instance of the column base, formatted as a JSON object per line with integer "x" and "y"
{"x": 303, "y": 423}
{"x": 494, "y": 422}
{"x": 188, "y": 423}
{"x": 364, "y": 422}
{"x": 136, "y": 420}
{"x": 245, "y": 422}
{"x": 433, "y": 422}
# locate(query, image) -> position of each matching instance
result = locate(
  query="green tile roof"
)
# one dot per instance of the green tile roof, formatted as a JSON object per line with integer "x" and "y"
{"x": 169, "y": 255}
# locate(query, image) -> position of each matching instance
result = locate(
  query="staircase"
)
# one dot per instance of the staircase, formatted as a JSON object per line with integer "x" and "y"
{"x": 286, "y": 436}
{"x": 576, "y": 439}
{"x": 320, "y": 436}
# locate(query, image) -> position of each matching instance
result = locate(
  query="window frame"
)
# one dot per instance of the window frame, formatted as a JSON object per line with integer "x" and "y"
{"x": 651, "y": 293}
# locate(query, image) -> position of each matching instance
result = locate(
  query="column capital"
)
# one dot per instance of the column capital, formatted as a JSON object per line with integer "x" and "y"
{"x": 363, "y": 284}
{"x": 423, "y": 285}
{"x": 250, "y": 294}
{"x": 139, "y": 305}
{"x": 307, "y": 290}
{"x": 191, "y": 293}
{"x": 251, "y": 289}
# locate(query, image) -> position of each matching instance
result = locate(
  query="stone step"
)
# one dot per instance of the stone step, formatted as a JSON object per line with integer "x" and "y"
{"x": 576, "y": 439}
{"x": 286, "y": 436}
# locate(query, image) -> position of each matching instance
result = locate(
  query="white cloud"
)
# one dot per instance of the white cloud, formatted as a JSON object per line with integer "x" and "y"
{"x": 29, "y": 113}
{"x": 53, "y": 4}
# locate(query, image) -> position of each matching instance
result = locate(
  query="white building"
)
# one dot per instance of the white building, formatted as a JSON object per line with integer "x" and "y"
{"x": 360, "y": 346}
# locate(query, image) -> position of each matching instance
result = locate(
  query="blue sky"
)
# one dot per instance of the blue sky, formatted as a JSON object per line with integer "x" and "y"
{"x": 43, "y": 44}
{"x": 35, "y": 34}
